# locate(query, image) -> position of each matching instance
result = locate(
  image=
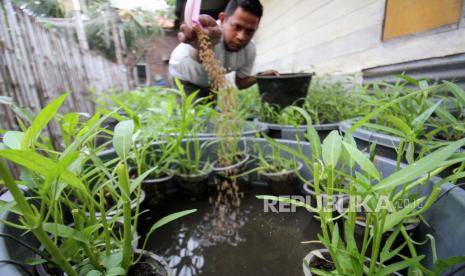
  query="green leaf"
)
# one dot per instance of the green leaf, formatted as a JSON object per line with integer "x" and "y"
{"x": 88, "y": 231}
{"x": 335, "y": 237}
{"x": 170, "y": 218}
{"x": 397, "y": 217}
{"x": 445, "y": 115}
{"x": 386, "y": 129}
{"x": 113, "y": 260}
{"x": 458, "y": 92}
{"x": 94, "y": 273}
{"x": 421, "y": 119}
{"x": 122, "y": 138}
{"x": 34, "y": 262}
{"x": 423, "y": 166}
{"x": 115, "y": 271}
{"x": 380, "y": 109}
{"x": 400, "y": 124}
{"x": 12, "y": 139}
{"x": 396, "y": 267}
{"x": 386, "y": 251}
{"x": 362, "y": 160}
{"x": 40, "y": 164}
{"x": 64, "y": 231}
{"x": 10, "y": 206}
{"x": 410, "y": 153}
{"x": 321, "y": 272}
{"x": 331, "y": 148}
{"x": 311, "y": 134}
{"x": 409, "y": 79}
{"x": 41, "y": 121}
{"x": 442, "y": 265}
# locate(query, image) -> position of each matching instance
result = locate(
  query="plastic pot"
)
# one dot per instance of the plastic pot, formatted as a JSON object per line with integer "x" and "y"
{"x": 156, "y": 192}
{"x": 226, "y": 173}
{"x": 251, "y": 129}
{"x": 310, "y": 258}
{"x": 283, "y": 183}
{"x": 289, "y": 132}
{"x": 285, "y": 89}
{"x": 193, "y": 185}
{"x": 149, "y": 264}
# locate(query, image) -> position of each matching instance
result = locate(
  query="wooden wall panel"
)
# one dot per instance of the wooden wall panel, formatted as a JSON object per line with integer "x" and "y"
{"x": 404, "y": 17}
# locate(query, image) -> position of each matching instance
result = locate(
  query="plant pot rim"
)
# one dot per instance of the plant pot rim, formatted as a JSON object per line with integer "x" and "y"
{"x": 230, "y": 167}
{"x": 158, "y": 180}
{"x": 310, "y": 191}
{"x": 272, "y": 126}
{"x": 286, "y": 76}
{"x": 386, "y": 140}
{"x": 290, "y": 171}
{"x": 155, "y": 257}
{"x": 203, "y": 173}
{"x": 340, "y": 207}
{"x": 133, "y": 205}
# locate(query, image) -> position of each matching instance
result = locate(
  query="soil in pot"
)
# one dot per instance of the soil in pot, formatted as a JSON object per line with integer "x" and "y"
{"x": 285, "y": 182}
{"x": 322, "y": 264}
{"x": 249, "y": 241}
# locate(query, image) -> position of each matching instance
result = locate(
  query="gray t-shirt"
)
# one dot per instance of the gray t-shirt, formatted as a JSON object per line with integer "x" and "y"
{"x": 183, "y": 66}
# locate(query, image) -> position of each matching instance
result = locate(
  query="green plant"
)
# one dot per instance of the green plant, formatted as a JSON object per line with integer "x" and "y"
{"x": 250, "y": 101}
{"x": 330, "y": 102}
{"x": 274, "y": 160}
{"x": 419, "y": 117}
{"x": 122, "y": 143}
{"x": 56, "y": 181}
{"x": 368, "y": 185}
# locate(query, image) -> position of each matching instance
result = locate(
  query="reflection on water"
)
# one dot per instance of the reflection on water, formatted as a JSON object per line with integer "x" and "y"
{"x": 244, "y": 241}
{"x": 218, "y": 226}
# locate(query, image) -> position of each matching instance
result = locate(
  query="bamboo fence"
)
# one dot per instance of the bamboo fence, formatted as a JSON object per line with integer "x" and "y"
{"x": 37, "y": 65}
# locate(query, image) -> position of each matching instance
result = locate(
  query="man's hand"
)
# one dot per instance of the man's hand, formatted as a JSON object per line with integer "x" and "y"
{"x": 188, "y": 35}
{"x": 268, "y": 73}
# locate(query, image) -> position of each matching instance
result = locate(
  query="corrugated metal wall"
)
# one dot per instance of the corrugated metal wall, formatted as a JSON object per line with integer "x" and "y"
{"x": 436, "y": 69}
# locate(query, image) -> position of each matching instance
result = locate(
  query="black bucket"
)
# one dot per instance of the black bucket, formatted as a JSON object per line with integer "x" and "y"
{"x": 285, "y": 89}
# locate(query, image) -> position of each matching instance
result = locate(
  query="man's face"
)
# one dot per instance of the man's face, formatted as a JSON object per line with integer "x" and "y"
{"x": 238, "y": 29}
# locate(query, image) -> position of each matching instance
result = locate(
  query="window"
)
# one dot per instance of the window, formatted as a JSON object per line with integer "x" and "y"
{"x": 406, "y": 17}
{"x": 141, "y": 74}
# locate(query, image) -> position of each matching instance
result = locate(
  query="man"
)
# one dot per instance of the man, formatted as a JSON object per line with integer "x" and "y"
{"x": 233, "y": 47}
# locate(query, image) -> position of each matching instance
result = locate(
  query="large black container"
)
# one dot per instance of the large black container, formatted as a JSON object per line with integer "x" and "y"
{"x": 284, "y": 89}
{"x": 444, "y": 217}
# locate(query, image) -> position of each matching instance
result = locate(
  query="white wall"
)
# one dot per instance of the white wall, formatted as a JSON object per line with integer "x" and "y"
{"x": 341, "y": 36}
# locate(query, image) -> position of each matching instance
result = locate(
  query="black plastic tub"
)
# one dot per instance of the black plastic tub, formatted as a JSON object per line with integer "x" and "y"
{"x": 285, "y": 89}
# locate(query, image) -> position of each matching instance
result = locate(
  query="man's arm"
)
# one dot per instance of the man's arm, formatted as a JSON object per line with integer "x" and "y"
{"x": 243, "y": 83}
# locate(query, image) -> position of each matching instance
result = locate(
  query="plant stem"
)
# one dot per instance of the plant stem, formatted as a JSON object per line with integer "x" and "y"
{"x": 105, "y": 223}
{"x": 127, "y": 236}
{"x": 87, "y": 249}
